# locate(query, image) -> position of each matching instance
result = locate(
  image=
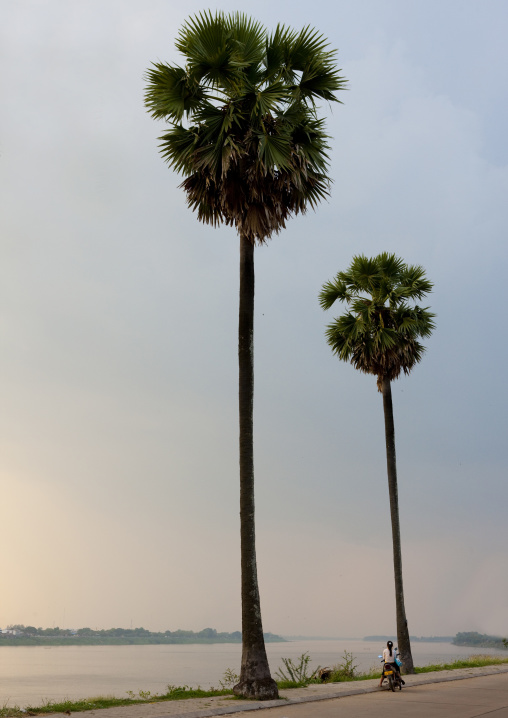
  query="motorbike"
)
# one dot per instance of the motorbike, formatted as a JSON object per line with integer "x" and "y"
{"x": 391, "y": 675}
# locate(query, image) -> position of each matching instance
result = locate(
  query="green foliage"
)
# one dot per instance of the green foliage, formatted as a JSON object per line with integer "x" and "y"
{"x": 345, "y": 671}
{"x": 229, "y": 679}
{"x": 297, "y": 674}
{"x": 472, "y": 638}
{"x": 178, "y": 693}
{"x": 81, "y": 705}
{"x": 288, "y": 685}
{"x": 380, "y": 332}
{"x": 242, "y": 116}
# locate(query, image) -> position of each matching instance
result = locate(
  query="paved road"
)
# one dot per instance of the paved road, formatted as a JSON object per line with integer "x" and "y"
{"x": 471, "y": 698}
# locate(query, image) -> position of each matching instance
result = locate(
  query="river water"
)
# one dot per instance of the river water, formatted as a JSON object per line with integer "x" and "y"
{"x": 31, "y": 675}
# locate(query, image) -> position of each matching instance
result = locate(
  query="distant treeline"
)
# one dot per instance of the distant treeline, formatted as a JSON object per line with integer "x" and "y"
{"x": 430, "y": 639}
{"x": 482, "y": 640}
{"x": 31, "y": 636}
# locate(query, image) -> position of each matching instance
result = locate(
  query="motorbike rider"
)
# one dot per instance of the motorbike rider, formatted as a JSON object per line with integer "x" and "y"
{"x": 389, "y": 655}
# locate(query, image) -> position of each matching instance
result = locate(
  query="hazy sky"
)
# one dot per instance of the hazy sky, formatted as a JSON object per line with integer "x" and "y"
{"x": 118, "y": 335}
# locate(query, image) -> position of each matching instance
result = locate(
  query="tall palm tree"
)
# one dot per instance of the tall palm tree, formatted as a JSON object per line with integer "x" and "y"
{"x": 379, "y": 334}
{"x": 245, "y": 134}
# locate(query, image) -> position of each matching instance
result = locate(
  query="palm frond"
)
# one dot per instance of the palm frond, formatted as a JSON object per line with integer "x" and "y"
{"x": 331, "y": 292}
{"x": 310, "y": 45}
{"x": 212, "y": 55}
{"x": 171, "y": 92}
{"x": 177, "y": 148}
{"x": 249, "y": 36}
{"x": 269, "y": 98}
{"x": 416, "y": 282}
{"x": 275, "y": 151}
{"x": 214, "y": 122}
{"x": 321, "y": 80}
{"x": 274, "y": 57}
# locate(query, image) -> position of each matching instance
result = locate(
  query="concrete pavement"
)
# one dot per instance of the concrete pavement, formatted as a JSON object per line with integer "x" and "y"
{"x": 485, "y": 696}
{"x": 463, "y": 693}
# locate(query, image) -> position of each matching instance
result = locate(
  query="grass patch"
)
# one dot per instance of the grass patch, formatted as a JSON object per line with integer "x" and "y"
{"x": 178, "y": 693}
{"x": 339, "y": 677}
{"x": 286, "y": 685}
{"x": 87, "y": 704}
{"x": 173, "y": 693}
{"x": 471, "y": 662}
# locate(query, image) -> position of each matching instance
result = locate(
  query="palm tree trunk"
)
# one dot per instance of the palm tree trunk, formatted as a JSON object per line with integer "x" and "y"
{"x": 255, "y": 679}
{"x": 391, "y": 465}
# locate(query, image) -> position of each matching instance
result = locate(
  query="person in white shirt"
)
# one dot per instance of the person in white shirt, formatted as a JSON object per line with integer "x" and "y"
{"x": 389, "y": 655}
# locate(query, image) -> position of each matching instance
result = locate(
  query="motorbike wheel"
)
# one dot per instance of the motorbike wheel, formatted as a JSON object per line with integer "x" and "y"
{"x": 390, "y": 681}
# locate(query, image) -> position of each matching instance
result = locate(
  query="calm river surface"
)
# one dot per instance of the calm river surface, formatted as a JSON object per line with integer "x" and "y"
{"x": 29, "y": 675}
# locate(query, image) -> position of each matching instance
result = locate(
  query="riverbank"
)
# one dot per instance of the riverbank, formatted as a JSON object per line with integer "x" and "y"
{"x": 31, "y": 675}
{"x": 204, "y": 707}
{"x": 221, "y": 698}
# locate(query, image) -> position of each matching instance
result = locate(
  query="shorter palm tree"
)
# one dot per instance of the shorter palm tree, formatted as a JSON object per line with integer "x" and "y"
{"x": 380, "y": 335}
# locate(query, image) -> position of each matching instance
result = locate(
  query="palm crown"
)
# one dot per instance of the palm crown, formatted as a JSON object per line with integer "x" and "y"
{"x": 380, "y": 333}
{"x": 252, "y": 150}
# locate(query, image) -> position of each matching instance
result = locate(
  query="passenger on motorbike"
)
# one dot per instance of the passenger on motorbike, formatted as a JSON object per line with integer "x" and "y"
{"x": 389, "y": 656}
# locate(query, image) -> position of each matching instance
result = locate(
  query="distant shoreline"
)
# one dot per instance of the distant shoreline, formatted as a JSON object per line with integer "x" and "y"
{"x": 413, "y": 639}
{"x": 91, "y": 641}
{"x": 124, "y": 637}
{"x": 470, "y": 639}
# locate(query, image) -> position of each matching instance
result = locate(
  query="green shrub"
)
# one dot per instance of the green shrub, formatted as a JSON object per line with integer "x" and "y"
{"x": 297, "y": 674}
{"x": 345, "y": 671}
